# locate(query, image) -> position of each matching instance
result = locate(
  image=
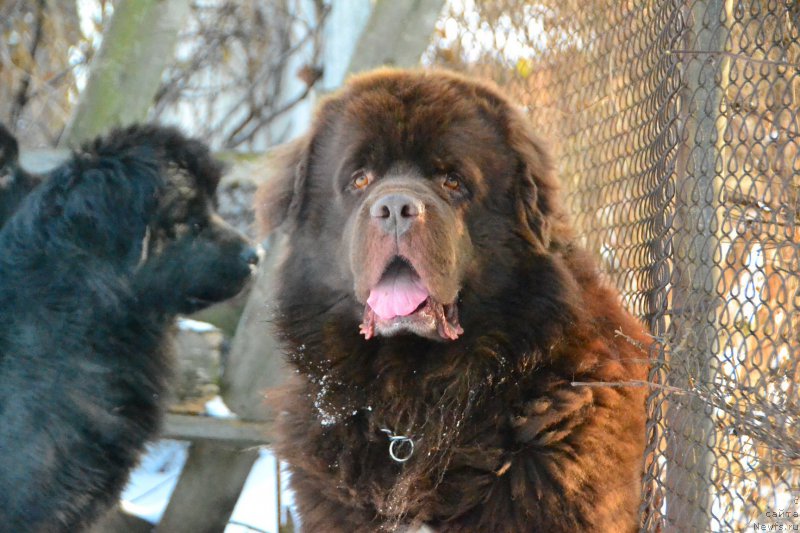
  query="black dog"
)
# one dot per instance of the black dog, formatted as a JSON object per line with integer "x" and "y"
{"x": 15, "y": 183}
{"x": 94, "y": 265}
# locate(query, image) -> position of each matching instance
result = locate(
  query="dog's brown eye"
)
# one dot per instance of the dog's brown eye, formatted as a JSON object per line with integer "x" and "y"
{"x": 360, "y": 179}
{"x": 452, "y": 182}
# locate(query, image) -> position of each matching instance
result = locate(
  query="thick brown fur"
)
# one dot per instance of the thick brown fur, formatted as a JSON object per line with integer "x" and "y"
{"x": 503, "y": 440}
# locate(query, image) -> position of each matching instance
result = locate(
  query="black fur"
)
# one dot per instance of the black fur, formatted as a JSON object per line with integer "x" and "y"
{"x": 15, "y": 183}
{"x": 94, "y": 265}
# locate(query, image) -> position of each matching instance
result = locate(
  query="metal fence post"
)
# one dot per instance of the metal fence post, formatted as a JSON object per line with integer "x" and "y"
{"x": 692, "y": 342}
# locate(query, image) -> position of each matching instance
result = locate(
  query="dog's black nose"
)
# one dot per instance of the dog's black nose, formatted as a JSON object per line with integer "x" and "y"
{"x": 249, "y": 256}
{"x": 395, "y": 213}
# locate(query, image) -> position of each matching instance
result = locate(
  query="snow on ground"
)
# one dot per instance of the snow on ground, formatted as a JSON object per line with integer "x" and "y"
{"x": 216, "y": 407}
{"x": 257, "y": 505}
{"x": 151, "y": 484}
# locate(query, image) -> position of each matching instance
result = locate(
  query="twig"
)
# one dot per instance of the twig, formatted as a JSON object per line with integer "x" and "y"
{"x": 22, "y": 97}
{"x": 632, "y": 383}
{"x": 55, "y": 80}
{"x": 235, "y": 141}
{"x": 633, "y": 342}
{"x": 734, "y": 56}
{"x": 248, "y": 526}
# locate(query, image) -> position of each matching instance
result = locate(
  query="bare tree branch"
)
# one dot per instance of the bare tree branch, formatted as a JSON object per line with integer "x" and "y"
{"x": 21, "y": 98}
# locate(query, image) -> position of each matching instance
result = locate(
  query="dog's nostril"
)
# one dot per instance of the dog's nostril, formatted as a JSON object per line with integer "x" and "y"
{"x": 397, "y": 206}
{"x": 250, "y": 256}
{"x": 409, "y": 210}
{"x": 396, "y": 213}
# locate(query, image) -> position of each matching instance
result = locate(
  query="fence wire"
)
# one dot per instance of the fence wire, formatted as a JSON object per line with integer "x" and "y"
{"x": 675, "y": 125}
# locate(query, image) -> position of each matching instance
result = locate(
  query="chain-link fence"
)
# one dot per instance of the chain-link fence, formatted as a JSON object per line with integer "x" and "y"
{"x": 676, "y": 128}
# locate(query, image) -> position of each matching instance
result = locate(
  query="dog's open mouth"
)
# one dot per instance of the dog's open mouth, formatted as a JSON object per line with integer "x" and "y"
{"x": 401, "y": 303}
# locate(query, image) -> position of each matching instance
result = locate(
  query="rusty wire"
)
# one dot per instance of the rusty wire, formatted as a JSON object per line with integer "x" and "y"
{"x": 675, "y": 125}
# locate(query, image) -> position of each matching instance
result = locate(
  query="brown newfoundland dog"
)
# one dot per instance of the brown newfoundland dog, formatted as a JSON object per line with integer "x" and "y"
{"x": 438, "y": 313}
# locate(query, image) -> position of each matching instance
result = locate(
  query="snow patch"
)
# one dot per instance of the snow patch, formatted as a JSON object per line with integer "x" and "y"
{"x": 187, "y": 324}
{"x": 216, "y": 408}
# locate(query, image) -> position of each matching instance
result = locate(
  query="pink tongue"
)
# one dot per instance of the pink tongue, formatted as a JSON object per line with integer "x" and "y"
{"x": 398, "y": 294}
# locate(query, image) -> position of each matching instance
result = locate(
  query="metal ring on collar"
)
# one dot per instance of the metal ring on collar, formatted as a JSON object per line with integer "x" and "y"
{"x": 402, "y": 440}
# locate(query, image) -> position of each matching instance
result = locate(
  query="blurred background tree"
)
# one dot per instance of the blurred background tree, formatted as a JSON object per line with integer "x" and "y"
{"x": 43, "y": 50}
{"x": 236, "y": 66}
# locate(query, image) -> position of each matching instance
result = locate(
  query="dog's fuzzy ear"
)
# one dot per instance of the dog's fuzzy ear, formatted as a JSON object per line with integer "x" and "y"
{"x": 15, "y": 182}
{"x": 9, "y": 150}
{"x": 543, "y": 221}
{"x": 279, "y": 198}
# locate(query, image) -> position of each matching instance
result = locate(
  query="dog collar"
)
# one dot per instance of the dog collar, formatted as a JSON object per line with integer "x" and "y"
{"x": 401, "y": 448}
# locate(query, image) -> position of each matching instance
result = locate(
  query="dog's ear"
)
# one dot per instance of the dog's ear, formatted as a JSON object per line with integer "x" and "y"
{"x": 279, "y": 198}
{"x": 15, "y": 182}
{"x": 9, "y": 150}
{"x": 543, "y": 222}
{"x": 192, "y": 155}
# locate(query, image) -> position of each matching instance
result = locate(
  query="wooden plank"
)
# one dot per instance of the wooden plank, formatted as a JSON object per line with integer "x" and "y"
{"x": 203, "y": 428}
{"x": 208, "y": 488}
{"x": 255, "y": 363}
{"x": 116, "y": 520}
{"x": 43, "y": 160}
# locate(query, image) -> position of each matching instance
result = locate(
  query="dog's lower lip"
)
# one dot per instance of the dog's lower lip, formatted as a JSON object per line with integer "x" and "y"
{"x": 430, "y": 319}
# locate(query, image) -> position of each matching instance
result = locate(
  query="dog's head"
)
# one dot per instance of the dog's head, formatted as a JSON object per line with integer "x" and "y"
{"x": 406, "y": 191}
{"x": 190, "y": 252}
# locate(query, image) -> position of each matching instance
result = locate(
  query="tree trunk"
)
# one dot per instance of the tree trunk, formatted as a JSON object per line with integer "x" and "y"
{"x": 397, "y": 33}
{"x": 126, "y": 72}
